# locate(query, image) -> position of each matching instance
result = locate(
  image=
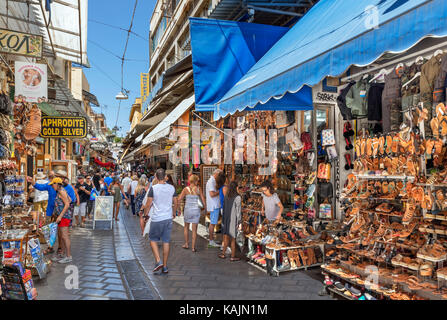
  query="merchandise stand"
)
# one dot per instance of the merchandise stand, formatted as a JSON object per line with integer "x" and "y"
{"x": 395, "y": 207}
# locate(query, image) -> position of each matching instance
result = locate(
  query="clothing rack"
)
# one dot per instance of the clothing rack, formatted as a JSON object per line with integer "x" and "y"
{"x": 406, "y": 58}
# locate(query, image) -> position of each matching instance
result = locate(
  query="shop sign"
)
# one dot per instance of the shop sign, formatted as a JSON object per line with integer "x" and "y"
{"x": 20, "y": 43}
{"x": 323, "y": 97}
{"x": 63, "y": 127}
{"x": 98, "y": 146}
{"x": 31, "y": 81}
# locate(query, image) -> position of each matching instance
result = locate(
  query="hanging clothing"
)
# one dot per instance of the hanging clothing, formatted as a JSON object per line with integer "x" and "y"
{"x": 341, "y": 102}
{"x": 411, "y": 93}
{"x": 429, "y": 73}
{"x": 375, "y": 101}
{"x": 440, "y": 84}
{"x": 391, "y": 102}
{"x": 356, "y": 99}
{"x": 231, "y": 216}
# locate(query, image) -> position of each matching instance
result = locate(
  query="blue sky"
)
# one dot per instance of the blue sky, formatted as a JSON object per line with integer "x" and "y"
{"x": 117, "y": 13}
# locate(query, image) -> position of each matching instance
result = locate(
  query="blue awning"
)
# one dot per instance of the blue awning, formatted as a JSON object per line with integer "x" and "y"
{"x": 331, "y": 37}
{"x": 222, "y": 52}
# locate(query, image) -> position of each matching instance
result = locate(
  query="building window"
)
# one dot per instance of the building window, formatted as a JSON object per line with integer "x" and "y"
{"x": 159, "y": 31}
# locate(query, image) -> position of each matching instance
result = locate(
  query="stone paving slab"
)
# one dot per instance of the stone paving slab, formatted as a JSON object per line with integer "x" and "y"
{"x": 88, "y": 249}
{"x": 203, "y": 276}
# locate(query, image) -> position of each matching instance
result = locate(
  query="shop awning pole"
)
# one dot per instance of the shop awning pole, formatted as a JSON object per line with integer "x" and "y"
{"x": 46, "y": 27}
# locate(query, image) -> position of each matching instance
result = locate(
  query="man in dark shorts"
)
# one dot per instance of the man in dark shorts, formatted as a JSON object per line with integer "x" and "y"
{"x": 163, "y": 198}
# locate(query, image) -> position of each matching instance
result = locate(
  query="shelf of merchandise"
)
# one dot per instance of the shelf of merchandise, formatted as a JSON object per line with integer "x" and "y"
{"x": 351, "y": 281}
{"x": 431, "y": 259}
{"x": 273, "y": 254}
{"x": 435, "y": 185}
{"x": 402, "y": 286}
{"x": 374, "y": 198}
{"x": 381, "y": 177}
{"x": 433, "y": 231}
{"x": 297, "y": 268}
{"x": 435, "y": 217}
{"x": 338, "y": 293}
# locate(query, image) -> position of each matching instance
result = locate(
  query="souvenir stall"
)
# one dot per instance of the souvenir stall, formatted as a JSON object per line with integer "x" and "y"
{"x": 296, "y": 241}
{"x": 394, "y": 242}
{"x": 20, "y": 227}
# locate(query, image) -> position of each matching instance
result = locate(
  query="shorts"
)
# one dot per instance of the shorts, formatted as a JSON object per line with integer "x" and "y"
{"x": 160, "y": 231}
{"x": 64, "y": 223}
{"x": 80, "y": 210}
{"x": 214, "y": 216}
{"x": 41, "y": 206}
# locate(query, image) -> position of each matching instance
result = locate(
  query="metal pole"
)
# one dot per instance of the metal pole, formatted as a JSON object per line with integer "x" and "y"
{"x": 80, "y": 33}
{"x": 46, "y": 26}
{"x": 275, "y": 11}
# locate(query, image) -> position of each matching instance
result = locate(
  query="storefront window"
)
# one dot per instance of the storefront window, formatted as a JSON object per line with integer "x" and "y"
{"x": 307, "y": 120}
{"x": 321, "y": 118}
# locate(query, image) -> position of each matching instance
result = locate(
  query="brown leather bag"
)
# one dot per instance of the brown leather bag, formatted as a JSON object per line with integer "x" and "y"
{"x": 33, "y": 126}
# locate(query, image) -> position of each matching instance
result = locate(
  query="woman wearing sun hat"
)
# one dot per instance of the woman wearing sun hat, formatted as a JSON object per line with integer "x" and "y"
{"x": 63, "y": 215}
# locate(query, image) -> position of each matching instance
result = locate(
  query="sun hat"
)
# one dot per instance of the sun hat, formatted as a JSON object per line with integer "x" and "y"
{"x": 61, "y": 173}
{"x": 56, "y": 180}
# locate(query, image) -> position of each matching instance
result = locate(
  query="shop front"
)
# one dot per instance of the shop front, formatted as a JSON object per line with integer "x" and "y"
{"x": 374, "y": 156}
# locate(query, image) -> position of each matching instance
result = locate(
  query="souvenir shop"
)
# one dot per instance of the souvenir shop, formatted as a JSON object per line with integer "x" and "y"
{"x": 393, "y": 244}
{"x": 21, "y": 229}
{"x": 302, "y": 179}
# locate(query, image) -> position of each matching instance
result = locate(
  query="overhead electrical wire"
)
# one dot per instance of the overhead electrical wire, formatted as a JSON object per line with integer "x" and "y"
{"x": 114, "y": 54}
{"x": 104, "y": 73}
{"x": 129, "y": 31}
{"x": 119, "y": 28}
{"x": 127, "y": 42}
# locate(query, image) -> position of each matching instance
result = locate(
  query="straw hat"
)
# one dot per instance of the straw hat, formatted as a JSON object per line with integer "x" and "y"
{"x": 61, "y": 173}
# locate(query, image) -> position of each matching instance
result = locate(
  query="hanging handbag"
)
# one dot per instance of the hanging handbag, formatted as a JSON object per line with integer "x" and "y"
{"x": 324, "y": 171}
{"x": 5, "y": 104}
{"x": 328, "y": 138}
{"x": 325, "y": 211}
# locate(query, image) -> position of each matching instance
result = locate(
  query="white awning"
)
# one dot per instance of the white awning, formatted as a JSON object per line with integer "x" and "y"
{"x": 66, "y": 34}
{"x": 163, "y": 128}
{"x": 147, "y": 124}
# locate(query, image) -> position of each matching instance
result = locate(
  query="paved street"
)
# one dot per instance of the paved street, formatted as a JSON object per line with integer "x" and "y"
{"x": 94, "y": 256}
{"x": 118, "y": 265}
{"x": 203, "y": 275}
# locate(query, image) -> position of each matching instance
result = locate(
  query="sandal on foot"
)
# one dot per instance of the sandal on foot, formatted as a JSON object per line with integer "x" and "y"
{"x": 222, "y": 256}
{"x": 185, "y": 246}
{"x": 235, "y": 259}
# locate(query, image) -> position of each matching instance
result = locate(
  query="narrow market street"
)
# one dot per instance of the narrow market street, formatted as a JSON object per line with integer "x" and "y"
{"x": 110, "y": 265}
{"x": 202, "y": 275}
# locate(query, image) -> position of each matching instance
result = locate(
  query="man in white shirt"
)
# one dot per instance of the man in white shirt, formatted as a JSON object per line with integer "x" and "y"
{"x": 163, "y": 198}
{"x": 213, "y": 206}
{"x": 126, "y": 182}
{"x": 131, "y": 190}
